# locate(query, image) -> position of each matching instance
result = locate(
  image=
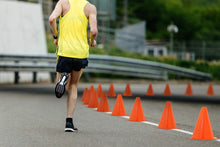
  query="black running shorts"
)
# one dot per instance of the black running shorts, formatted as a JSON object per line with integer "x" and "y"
{"x": 66, "y": 64}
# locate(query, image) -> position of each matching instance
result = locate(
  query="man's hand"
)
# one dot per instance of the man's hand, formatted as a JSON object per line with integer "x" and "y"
{"x": 55, "y": 42}
{"x": 92, "y": 43}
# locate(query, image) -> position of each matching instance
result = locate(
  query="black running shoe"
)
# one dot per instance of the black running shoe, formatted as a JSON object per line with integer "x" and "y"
{"x": 69, "y": 126}
{"x": 60, "y": 87}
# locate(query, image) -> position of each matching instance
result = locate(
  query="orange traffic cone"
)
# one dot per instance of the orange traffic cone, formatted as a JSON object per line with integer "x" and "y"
{"x": 103, "y": 104}
{"x": 127, "y": 91}
{"x": 189, "y": 90}
{"x": 150, "y": 90}
{"x": 84, "y": 94}
{"x": 99, "y": 90}
{"x": 137, "y": 113}
{"x": 87, "y": 98}
{"x": 167, "y": 90}
{"x": 167, "y": 120}
{"x": 93, "y": 102}
{"x": 92, "y": 87}
{"x": 119, "y": 109}
{"x": 210, "y": 90}
{"x": 203, "y": 129}
{"x": 90, "y": 91}
{"x": 111, "y": 91}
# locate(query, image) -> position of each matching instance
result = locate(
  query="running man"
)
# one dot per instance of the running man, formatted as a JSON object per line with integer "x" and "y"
{"x": 73, "y": 48}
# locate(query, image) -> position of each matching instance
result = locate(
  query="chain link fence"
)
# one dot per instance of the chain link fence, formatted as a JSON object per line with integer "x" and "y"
{"x": 198, "y": 50}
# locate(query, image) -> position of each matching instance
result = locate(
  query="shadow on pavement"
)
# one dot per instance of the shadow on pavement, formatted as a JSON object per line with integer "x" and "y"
{"x": 183, "y": 98}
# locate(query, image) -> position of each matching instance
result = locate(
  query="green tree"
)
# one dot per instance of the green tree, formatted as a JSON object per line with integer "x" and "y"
{"x": 211, "y": 23}
{"x": 196, "y": 19}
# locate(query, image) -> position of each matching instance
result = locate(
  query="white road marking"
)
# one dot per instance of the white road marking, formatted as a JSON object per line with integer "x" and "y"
{"x": 155, "y": 124}
{"x": 183, "y": 131}
{"x": 150, "y": 123}
{"x": 126, "y": 117}
{"x": 108, "y": 112}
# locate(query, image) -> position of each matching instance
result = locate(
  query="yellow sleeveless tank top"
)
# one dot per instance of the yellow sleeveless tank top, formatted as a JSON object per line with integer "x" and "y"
{"x": 73, "y": 25}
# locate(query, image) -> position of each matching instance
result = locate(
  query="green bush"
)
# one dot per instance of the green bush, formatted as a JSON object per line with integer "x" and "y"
{"x": 51, "y": 48}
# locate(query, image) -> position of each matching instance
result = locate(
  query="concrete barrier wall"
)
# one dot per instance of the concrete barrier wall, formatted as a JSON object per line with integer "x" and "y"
{"x": 22, "y": 28}
{"x": 22, "y": 32}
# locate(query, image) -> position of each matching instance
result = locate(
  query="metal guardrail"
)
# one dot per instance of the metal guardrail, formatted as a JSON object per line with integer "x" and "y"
{"x": 152, "y": 65}
{"x": 48, "y": 63}
{"x": 101, "y": 64}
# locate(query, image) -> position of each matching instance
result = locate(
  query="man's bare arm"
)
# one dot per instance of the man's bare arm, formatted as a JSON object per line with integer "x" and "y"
{"x": 92, "y": 16}
{"x": 52, "y": 20}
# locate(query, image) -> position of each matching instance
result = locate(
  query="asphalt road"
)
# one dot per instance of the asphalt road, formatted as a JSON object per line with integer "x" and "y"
{"x": 30, "y": 115}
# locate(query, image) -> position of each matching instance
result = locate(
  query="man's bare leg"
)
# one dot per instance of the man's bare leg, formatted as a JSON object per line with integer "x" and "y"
{"x": 72, "y": 89}
{"x": 58, "y": 76}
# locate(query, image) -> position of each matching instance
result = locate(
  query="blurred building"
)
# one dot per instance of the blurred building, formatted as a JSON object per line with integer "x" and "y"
{"x": 155, "y": 48}
{"x": 131, "y": 37}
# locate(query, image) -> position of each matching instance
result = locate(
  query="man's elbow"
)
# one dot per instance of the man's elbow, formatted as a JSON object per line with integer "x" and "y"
{"x": 51, "y": 19}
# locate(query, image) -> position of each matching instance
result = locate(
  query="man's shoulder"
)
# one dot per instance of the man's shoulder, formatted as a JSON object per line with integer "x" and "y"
{"x": 64, "y": 2}
{"x": 90, "y": 7}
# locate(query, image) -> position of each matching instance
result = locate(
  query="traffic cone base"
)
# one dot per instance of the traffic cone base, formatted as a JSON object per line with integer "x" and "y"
{"x": 167, "y": 90}
{"x": 167, "y": 120}
{"x": 127, "y": 91}
{"x": 137, "y": 113}
{"x": 119, "y": 109}
{"x": 203, "y": 128}
{"x": 150, "y": 91}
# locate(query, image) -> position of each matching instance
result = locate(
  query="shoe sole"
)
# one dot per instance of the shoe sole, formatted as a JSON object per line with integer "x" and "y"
{"x": 59, "y": 90}
{"x": 60, "y": 87}
{"x": 70, "y": 130}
